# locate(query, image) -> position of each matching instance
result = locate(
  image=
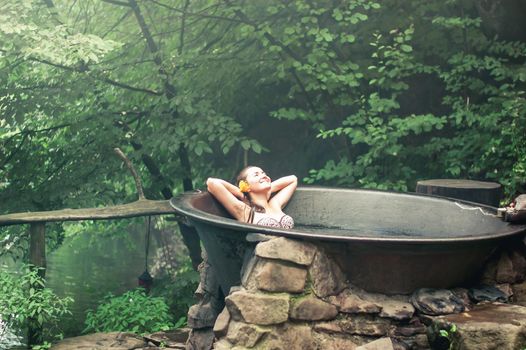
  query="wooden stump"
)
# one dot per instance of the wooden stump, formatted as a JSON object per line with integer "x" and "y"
{"x": 488, "y": 193}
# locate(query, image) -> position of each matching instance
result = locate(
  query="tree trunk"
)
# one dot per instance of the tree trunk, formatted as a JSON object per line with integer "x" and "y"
{"x": 190, "y": 237}
{"x": 505, "y": 18}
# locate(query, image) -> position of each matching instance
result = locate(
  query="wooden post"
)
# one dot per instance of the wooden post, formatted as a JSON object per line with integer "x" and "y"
{"x": 37, "y": 258}
{"x": 37, "y": 246}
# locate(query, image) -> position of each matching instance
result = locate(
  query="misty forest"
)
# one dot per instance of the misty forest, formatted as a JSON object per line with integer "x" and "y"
{"x": 343, "y": 93}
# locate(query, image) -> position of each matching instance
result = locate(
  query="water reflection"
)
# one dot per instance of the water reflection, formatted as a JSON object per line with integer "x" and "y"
{"x": 87, "y": 269}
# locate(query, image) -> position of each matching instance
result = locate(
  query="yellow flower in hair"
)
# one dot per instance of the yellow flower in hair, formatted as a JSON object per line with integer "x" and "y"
{"x": 244, "y": 186}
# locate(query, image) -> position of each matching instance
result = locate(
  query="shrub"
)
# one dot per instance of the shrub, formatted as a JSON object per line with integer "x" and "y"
{"x": 25, "y": 302}
{"x": 133, "y": 311}
{"x": 178, "y": 290}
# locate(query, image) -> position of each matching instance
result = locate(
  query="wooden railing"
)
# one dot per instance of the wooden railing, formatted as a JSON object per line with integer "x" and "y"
{"x": 37, "y": 224}
{"x": 37, "y": 229}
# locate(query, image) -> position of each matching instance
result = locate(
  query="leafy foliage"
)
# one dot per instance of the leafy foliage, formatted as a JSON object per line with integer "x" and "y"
{"x": 25, "y": 302}
{"x": 8, "y": 339}
{"x": 133, "y": 311}
{"x": 359, "y": 93}
{"x": 178, "y": 291}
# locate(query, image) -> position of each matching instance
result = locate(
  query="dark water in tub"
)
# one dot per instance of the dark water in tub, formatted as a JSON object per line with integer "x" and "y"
{"x": 358, "y": 231}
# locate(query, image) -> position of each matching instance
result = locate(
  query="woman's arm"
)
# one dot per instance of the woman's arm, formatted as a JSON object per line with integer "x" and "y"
{"x": 228, "y": 195}
{"x": 285, "y": 188}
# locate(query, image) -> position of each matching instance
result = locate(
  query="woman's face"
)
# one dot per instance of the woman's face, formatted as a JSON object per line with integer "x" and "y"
{"x": 257, "y": 179}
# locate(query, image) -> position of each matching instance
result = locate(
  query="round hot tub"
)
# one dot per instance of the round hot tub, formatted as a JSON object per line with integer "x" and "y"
{"x": 384, "y": 241}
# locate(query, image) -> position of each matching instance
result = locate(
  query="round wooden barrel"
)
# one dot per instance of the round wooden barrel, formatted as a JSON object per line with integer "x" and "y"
{"x": 483, "y": 192}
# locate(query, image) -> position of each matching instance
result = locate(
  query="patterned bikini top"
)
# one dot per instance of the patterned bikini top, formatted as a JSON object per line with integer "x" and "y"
{"x": 285, "y": 222}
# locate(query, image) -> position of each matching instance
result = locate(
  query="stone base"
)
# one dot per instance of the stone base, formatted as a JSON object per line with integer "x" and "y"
{"x": 294, "y": 296}
{"x": 123, "y": 341}
{"x": 486, "y": 327}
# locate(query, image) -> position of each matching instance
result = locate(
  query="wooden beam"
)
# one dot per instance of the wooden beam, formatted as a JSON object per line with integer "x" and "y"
{"x": 138, "y": 208}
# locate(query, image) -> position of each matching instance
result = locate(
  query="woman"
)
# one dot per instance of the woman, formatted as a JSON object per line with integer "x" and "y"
{"x": 256, "y": 199}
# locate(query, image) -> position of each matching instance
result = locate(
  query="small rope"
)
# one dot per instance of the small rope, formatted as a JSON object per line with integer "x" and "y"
{"x": 474, "y": 208}
{"x": 147, "y": 244}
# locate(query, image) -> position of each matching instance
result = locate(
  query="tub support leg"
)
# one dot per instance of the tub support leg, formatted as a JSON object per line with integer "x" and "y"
{"x": 202, "y": 316}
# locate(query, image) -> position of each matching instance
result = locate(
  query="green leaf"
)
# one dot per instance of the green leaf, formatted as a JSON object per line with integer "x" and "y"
{"x": 406, "y": 48}
{"x": 245, "y": 144}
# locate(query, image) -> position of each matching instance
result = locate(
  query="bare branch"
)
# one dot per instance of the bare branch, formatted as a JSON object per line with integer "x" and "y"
{"x": 116, "y": 2}
{"x": 15, "y": 151}
{"x": 130, "y": 167}
{"x": 129, "y": 12}
{"x": 183, "y": 22}
{"x": 153, "y": 48}
{"x": 83, "y": 69}
{"x": 193, "y": 14}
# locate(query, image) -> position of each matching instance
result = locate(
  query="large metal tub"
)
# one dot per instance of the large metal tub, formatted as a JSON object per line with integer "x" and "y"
{"x": 385, "y": 242}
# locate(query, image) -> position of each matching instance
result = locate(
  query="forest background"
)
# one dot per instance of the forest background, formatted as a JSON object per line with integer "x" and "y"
{"x": 352, "y": 93}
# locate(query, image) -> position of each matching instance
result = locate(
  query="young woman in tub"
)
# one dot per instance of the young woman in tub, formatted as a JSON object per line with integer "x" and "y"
{"x": 256, "y": 199}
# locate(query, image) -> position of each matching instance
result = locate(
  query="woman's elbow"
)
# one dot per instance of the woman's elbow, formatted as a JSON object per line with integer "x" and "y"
{"x": 294, "y": 179}
{"x": 211, "y": 183}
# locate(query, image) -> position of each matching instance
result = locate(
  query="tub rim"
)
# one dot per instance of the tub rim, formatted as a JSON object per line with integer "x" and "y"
{"x": 182, "y": 205}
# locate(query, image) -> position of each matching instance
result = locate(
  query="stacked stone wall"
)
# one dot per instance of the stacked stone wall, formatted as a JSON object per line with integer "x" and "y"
{"x": 293, "y": 296}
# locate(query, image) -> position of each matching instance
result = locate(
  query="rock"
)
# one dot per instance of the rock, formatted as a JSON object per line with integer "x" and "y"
{"x": 243, "y": 334}
{"x": 379, "y": 344}
{"x": 436, "y": 301}
{"x": 222, "y": 344}
{"x": 200, "y": 339}
{"x": 326, "y": 276}
{"x": 463, "y": 294}
{"x": 487, "y": 293}
{"x": 173, "y": 339}
{"x": 410, "y": 330}
{"x": 406, "y": 344}
{"x": 102, "y": 341}
{"x": 294, "y": 337}
{"x": 234, "y": 289}
{"x": 397, "y": 310}
{"x": 518, "y": 260}
{"x": 519, "y": 293}
{"x": 202, "y": 315}
{"x": 332, "y": 342}
{"x": 421, "y": 341}
{"x": 298, "y": 338}
{"x": 312, "y": 309}
{"x": 365, "y": 325}
{"x": 489, "y": 326}
{"x": 221, "y": 325}
{"x": 328, "y": 327}
{"x": 280, "y": 276}
{"x": 506, "y": 289}
{"x": 258, "y": 237}
{"x": 354, "y": 300}
{"x": 259, "y": 309}
{"x": 301, "y": 253}
{"x": 247, "y": 271}
{"x": 348, "y": 302}
{"x": 505, "y": 272}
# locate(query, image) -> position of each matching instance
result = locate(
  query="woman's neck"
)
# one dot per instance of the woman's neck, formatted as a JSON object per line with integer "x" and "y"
{"x": 260, "y": 200}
